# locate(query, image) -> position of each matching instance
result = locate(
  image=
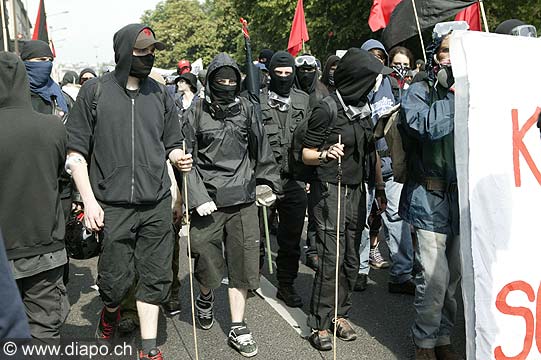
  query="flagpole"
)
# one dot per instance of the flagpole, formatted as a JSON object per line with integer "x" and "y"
{"x": 15, "y": 39}
{"x": 419, "y": 29}
{"x": 482, "y": 6}
{"x": 4, "y": 26}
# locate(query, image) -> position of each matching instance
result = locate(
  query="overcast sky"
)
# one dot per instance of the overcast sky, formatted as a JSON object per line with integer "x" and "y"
{"x": 90, "y": 25}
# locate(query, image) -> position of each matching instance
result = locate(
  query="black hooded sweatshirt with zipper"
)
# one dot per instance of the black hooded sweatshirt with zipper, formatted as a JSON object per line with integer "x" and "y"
{"x": 230, "y": 155}
{"x": 128, "y": 143}
{"x": 32, "y": 156}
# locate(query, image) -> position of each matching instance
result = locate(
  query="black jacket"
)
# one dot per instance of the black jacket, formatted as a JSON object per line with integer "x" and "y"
{"x": 280, "y": 132}
{"x": 32, "y": 156}
{"x": 231, "y": 155}
{"x": 128, "y": 143}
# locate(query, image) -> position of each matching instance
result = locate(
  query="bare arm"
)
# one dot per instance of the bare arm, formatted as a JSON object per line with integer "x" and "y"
{"x": 311, "y": 156}
{"x": 94, "y": 215}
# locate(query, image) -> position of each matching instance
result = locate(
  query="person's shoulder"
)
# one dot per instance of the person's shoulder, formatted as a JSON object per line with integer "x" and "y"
{"x": 51, "y": 124}
{"x": 299, "y": 94}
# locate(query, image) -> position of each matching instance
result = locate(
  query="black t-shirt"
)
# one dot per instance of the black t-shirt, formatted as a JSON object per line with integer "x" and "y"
{"x": 355, "y": 138}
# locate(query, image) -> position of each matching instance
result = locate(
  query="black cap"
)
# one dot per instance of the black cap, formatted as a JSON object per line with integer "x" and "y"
{"x": 36, "y": 49}
{"x": 146, "y": 38}
{"x": 190, "y": 79}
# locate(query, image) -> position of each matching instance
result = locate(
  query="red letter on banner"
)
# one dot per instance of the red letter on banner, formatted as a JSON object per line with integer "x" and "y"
{"x": 519, "y": 146}
{"x": 504, "y": 308}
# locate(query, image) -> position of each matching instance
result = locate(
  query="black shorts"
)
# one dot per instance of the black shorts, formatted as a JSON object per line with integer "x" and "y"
{"x": 137, "y": 244}
{"x": 237, "y": 228}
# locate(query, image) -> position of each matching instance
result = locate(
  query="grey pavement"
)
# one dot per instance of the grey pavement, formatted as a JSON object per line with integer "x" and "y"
{"x": 382, "y": 320}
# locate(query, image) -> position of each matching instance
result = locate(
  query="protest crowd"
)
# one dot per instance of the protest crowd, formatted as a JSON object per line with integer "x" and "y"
{"x": 359, "y": 146}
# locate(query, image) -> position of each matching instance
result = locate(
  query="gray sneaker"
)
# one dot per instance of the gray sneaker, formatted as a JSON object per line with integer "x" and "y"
{"x": 240, "y": 338}
{"x": 204, "y": 311}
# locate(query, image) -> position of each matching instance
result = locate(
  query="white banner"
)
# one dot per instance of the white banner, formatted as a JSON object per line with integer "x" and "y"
{"x": 498, "y": 153}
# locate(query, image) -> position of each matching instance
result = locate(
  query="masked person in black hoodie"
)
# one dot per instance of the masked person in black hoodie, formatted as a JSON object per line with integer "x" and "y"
{"x": 282, "y": 108}
{"x": 231, "y": 155}
{"x": 125, "y": 126}
{"x": 307, "y": 79}
{"x": 32, "y": 154}
{"x": 355, "y": 77}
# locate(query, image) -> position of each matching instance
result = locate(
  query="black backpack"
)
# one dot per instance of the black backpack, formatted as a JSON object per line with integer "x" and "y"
{"x": 298, "y": 168}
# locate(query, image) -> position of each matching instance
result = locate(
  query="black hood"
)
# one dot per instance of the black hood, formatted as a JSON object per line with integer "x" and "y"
{"x": 221, "y": 60}
{"x": 356, "y": 74}
{"x": 331, "y": 60}
{"x": 123, "y": 43}
{"x": 14, "y": 84}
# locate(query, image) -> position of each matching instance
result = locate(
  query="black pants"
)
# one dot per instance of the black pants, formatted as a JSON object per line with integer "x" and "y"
{"x": 291, "y": 211}
{"x": 311, "y": 231}
{"x": 352, "y": 215}
{"x": 45, "y": 302}
{"x": 137, "y": 244}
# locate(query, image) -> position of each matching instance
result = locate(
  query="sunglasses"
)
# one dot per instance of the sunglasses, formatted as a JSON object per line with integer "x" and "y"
{"x": 305, "y": 60}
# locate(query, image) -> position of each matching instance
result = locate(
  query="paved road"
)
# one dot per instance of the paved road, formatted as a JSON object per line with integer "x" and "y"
{"x": 382, "y": 321}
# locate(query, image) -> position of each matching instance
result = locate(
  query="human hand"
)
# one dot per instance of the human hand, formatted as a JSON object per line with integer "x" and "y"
{"x": 94, "y": 215}
{"x": 381, "y": 201}
{"x": 335, "y": 151}
{"x": 182, "y": 161}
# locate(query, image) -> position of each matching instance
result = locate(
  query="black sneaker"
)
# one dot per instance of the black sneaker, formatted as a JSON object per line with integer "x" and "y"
{"x": 204, "y": 309}
{"x": 407, "y": 287}
{"x": 106, "y": 330}
{"x": 240, "y": 338}
{"x": 128, "y": 324}
{"x": 321, "y": 340}
{"x": 172, "y": 307}
{"x": 361, "y": 283}
{"x": 289, "y": 296}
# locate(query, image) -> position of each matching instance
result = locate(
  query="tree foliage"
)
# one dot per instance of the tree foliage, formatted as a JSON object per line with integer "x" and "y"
{"x": 192, "y": 29}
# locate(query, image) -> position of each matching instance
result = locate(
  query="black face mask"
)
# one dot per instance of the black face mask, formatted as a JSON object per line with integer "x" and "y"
{"x": 222, "y": 94}
{"x": 281, "y": 85}
{"x": 306, "y": 80}
{"x": 141, "y": 65}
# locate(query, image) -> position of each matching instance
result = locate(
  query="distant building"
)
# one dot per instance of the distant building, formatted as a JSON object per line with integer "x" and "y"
{"x": 14, "y": 23}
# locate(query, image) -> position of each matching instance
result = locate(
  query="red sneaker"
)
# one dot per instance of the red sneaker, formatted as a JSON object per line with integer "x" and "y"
{"x": 105, "y": 330}
{"x": 154, "y": 354}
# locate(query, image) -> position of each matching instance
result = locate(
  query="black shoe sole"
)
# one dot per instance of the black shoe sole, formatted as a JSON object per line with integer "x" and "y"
{"x": 319, "y": 348}
{"x": 291, "y": 305}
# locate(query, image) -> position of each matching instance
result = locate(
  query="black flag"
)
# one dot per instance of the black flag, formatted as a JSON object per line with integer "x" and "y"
{"x": 40, "y": 29}
{"x": 402, "y": 24}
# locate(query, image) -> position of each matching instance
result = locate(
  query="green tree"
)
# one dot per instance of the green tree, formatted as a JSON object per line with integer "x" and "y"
{"x": 186, "y": 30}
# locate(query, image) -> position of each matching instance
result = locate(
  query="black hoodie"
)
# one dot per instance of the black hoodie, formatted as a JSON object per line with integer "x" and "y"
{"x": 129, "y": 141}
{"x": 32, "y": 155}
{"x": 231, "y": 155}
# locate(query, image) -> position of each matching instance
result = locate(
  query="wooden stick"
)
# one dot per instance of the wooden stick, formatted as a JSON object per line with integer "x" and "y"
{"x": 484, "y": 15}
{"x": 185, "y": 178}
{"x": 267, "y": 239}
{"x": 419, "y": 29}
{"x": 337, "y": 270}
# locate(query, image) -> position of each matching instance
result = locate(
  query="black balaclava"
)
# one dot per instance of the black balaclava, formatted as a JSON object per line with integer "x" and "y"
{"x": 266, "y": 54}
{"x": 306, "y": 81}
{"x": 123, "y": 43}
{"x": 223, "y": 94}
{"x": 508, "y": 25}
{"x": 356, "y": 74}
{"x": 281, "y": 85}
{"x": 141, "y": 66}
{"x": 327, "y": 78}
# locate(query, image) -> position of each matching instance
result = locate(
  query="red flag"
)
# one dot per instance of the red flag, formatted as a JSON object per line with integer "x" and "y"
{"x": 40, "y": 29}
{"x": 381, "y": 13}
{"x": 472, "y": 15}
{"x": 299, "y": 32}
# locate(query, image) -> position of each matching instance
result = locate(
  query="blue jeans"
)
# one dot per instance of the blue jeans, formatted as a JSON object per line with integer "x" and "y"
{"x": 397, "y": 235}
{"x": 436, "y": 284}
